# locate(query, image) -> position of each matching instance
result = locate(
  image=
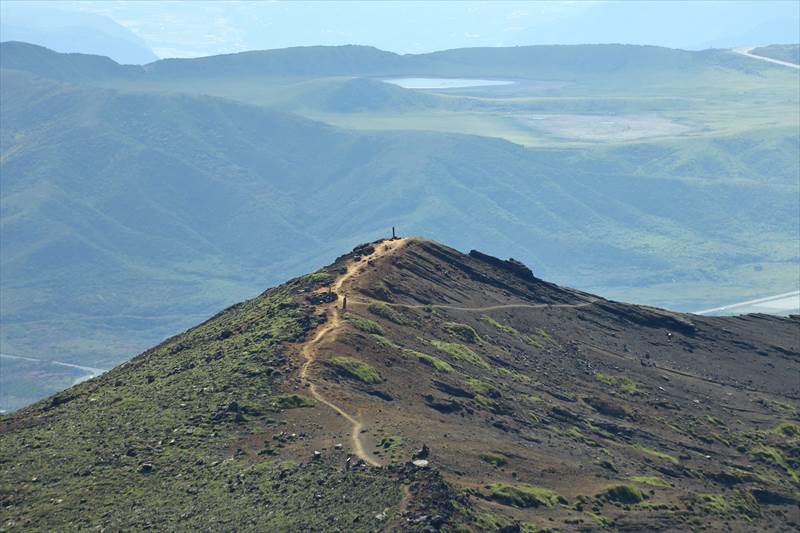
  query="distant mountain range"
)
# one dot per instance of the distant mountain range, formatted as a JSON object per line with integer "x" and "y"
{"x": 68, "y": 30}
{"x": 213, "y": 27}
{"x": 538, "y": 62}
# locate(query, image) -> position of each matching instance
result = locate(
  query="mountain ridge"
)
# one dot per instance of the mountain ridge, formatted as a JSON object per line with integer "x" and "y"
{"x": 525, "y": 405}
{"x": 536, "y": 62}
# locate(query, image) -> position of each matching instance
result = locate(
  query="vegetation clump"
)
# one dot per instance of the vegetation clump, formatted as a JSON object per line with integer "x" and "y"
{"x": 523, "y": 495}
{"x": 537, "y": 340}
{"x": 775, "y": 457}
{"x": 494, "y": 458}
{"x": 317, "y": 278}
{"x": 733, "y": 502}
{"x": 462, "y": 353}
{"x": 513, "y": 374}
{"x": 483, "y": 387}
{"x": 607, "y": 407}
{"x": 463, "y": 331}
{"x": 660, "y": 455}
{"x": 653, "y": 481}
{"x": 356, "y": 369}
{"x": 624, "y": 384}
{"x": 430, "y": 360}
{"x": 383, "y": 341}
{"x": 716, "y": 503}
{"x": 384, "y": 310}
{"x": 390, "y": 442}
{"x": 366, "y": 325}
{"x": 622, "y": 494}
{"x": 789, "y": 430}
{"x": 292, "y": 401}
{"x": 485, "y": 402}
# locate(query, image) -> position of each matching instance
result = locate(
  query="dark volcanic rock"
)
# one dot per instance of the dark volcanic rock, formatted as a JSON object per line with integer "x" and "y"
{"x": 511, "y": 265}
{"x": 322, "y": 298}
{"x": 453, "y": 390}
{"x": 442, "y": 405}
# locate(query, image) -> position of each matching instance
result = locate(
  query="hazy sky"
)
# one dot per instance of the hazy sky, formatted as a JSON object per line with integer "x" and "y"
{"x": 195, "y": 28}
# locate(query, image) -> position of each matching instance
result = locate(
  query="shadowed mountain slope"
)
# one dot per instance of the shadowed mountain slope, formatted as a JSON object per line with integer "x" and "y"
{"x": 535, "y": 406}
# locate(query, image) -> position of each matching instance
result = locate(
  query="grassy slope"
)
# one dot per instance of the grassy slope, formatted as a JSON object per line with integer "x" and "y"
{"x": 163, "y": 433}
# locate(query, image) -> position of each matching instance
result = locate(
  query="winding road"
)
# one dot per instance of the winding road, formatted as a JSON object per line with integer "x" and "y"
{"x": 90, "y": 372}
{"x": 746, "y": 52}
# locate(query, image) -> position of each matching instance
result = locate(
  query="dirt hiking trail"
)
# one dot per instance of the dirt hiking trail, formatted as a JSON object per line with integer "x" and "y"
{"x": 309, "y": 348}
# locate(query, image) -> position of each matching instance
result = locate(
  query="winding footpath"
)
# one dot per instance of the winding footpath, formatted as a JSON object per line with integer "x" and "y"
{"x": 309, "y": 349}
{"x": 487, "y": 308}
{"x": 324, "y": 333}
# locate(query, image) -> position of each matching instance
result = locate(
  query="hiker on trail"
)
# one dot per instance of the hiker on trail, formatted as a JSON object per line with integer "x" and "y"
{"x": 344, "y": 303}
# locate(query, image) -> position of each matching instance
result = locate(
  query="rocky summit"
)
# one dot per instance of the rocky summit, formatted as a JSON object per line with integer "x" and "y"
{"x": 408, "y": 386}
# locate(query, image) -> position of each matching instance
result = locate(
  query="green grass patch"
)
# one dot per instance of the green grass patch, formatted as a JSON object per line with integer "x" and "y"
{"x": 483, "y": 387}
{"x": 383, "y": 341}
{"x": 365, "y": 324}
{"x": 485, "y": 402}
{"x": 500, "y": 326}
{"x": 292, "y": 401}
{"x": 546, "y": 337}
{"x": 730, "y": 503}
{"x": 356, "y": 369}
{"x": 774, "y": 457}
{"x": 622, "y": 493}
{"x": 317, "y": 278}
{"x": 600, "y": 519}
{"x": 653, "y": 481}
{"x": 513, "y": 374}
{"x": 537, "y": 339}
{"x": 789, "y": 430}
{"x": 462, "y": 353}
{"x": 494, "y": 458}
{"x": 660, "y": 455}
{"x": 523, "y": 495}
{"x": 485, "y": 521}
{"x": 384, "y": 310}
{"x": 622, "y": 383}
{"x": 716, "y": 503}
{"x": 390, "y": 442}
{"x": 462, "y": 331}
{"x": 430, "y": 360}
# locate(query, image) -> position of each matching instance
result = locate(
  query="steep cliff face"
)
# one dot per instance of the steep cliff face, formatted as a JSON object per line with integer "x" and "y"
{"x": 523, "y": 404}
